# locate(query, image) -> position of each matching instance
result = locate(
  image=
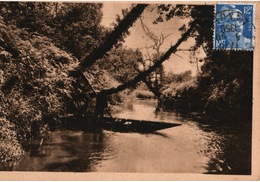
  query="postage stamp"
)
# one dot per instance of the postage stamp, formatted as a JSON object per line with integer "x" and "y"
{"x": 233, "y": 27}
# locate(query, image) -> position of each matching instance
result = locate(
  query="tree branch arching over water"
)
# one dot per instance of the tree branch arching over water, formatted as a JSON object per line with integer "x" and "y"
{"x": 157, "y": 64}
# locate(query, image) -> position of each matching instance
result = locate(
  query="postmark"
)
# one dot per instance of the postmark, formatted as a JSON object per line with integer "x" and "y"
{"x": 233, "y": 27}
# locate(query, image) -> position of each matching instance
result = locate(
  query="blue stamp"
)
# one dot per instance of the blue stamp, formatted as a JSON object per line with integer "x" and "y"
{"x": 233, "y": 27}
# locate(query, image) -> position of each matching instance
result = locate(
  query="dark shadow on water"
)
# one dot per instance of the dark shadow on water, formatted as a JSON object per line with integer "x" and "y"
{"x": 77, "y": 165}
{"x": 36, "y": 153}
{"x": 158, "y": 134}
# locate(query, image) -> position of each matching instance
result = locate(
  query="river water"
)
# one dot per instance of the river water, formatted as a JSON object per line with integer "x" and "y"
{"x": 192, "y": 147}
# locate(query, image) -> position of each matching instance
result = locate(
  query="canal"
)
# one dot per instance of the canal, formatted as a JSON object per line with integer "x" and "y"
{"x": 194, "y": 146}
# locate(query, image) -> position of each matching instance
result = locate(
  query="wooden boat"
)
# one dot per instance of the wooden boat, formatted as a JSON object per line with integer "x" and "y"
{"x": 131, "y": 125}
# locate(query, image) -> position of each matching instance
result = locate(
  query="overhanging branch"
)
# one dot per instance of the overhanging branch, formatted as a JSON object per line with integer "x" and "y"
{"x": 156, "y": 65}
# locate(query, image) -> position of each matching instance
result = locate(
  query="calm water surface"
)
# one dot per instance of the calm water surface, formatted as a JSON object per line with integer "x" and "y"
{"x": 192, "y": 147}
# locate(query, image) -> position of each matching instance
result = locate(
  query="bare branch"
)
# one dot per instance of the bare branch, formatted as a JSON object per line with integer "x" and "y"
{"x": 157, "y": 41}
{"x": 178, "y": 55}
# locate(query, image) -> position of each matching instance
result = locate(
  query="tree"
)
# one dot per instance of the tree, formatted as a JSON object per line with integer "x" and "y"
{"x": 156, "y": 65}
{"x": 34, "y": 86}
{"x": 221, "y": 82}
{"x": 203, "y": 14}
{"x": 113, "y": 37}
{"x": 154, "y": 81}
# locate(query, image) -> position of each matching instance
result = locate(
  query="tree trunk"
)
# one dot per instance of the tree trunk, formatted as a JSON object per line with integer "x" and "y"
{"x": 151, "y": 88}
{"x": 113, "y": 38}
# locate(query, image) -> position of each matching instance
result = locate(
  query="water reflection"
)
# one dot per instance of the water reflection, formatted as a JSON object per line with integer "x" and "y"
{"x": 225, "y": 146}
{"x": 65, "y": 150}
{"x": 194, "y": 146}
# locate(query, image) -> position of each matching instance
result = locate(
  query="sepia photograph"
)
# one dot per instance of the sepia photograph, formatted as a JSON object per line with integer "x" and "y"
{"x": 127, "y": 87}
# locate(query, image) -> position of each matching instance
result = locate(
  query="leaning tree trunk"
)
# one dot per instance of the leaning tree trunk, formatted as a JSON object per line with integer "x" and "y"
{"x": 107, "y": 45}
{"x": 155, "y": 91}
{"x": 114, "y": 37}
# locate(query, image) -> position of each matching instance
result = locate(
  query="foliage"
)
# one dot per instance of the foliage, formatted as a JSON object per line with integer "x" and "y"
{"x": 142, "y": 75}
{"x": 34, "y": 83}
{"x": 228, "y": 78}
{"x": 179, "y": 92}
{"x": 144, "y": 94}
{"x": 182, "y": 77}
{"x": 122, "y": 64}
{"x": 10, "y": 149}
{"x": 74, "y": 27}
{"x": 78, "y": 28}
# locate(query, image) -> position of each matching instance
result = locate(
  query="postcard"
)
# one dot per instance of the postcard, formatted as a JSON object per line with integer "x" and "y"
{"x": 129, "y": 90}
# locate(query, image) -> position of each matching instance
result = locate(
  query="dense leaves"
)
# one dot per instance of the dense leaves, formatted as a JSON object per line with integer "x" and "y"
{"x": 35, "y": 86}
{"x": 74, "y": 27}
{"x": 229, "y": 80}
